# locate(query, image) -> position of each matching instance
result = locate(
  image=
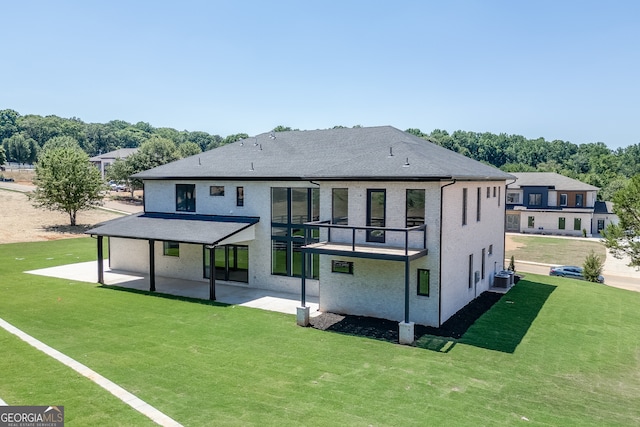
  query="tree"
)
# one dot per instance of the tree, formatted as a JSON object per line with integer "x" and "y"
{"x": 66, "y": 181}
{"x": 188, "y": 148}
{"x": 592, "y": 267}
{"x": 624, "y": 238}
{"x": 3, "y": 156}
{"x": 121, "y": 171}
{"x": 20, "y": 148}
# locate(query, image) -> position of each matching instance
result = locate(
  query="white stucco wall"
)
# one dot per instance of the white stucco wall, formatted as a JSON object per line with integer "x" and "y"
{"x": 377, "y": 287}
{"x": 459, "y": 241}
{"x": 546, "y": 222}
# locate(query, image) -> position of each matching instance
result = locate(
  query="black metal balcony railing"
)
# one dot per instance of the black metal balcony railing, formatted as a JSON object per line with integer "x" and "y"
{"x": 406, "y": 231}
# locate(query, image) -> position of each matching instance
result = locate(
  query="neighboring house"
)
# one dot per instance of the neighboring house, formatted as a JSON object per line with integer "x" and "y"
{"x": 374, "y": 221}
{"x": 550, "y": 203}
{"x": 103, "y": 161}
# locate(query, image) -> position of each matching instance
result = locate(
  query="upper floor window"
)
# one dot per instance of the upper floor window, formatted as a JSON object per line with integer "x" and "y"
{"x": 216, "y": 190}
{"x": 185, "y": 197}
{"x": 489, "y": 192}
{"x": 340, "y": 206}
{"x": 535, "y": 199}
{"x": 563, "y": 200}
{"x": 415, "y": 208}
{"x": 579, "y": 200}
{"x": 478, "y": 206}
{"x": 513, "y": 198}
{"x": 464, "y": 206}
{"x": 239, "y": 196}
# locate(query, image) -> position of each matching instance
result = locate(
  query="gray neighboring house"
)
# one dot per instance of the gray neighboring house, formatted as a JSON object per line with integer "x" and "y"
{"x": 550, "y": 203}
{"x": 373, "y": 221}
{"x": 102, "y": 161}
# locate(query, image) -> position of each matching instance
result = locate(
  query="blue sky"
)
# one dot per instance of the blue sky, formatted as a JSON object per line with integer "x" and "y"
{"x": 564, "y": 70}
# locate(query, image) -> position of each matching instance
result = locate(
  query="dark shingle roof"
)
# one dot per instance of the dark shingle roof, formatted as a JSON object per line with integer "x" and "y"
{"x": 200, "y": 229}
{"x": 349, "y": 154}
{"x": 549, "y": 179}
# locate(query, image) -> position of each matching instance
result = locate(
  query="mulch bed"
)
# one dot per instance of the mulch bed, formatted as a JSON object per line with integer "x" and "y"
{"x": 387, "y": 330}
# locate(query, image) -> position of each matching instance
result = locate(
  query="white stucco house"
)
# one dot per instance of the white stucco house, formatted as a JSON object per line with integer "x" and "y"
{"x": 550, "y": 203}
{"x": 374, "y": 221}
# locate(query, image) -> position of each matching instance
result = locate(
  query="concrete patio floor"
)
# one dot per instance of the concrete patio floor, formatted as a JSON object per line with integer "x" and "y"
{"x": 225, "y": 292}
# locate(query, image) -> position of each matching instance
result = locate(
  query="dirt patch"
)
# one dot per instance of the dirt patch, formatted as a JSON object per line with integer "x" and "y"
{"x": 387, "y": 330}
{"x": 21, "y": 222}
{"x": 510, "y": 245}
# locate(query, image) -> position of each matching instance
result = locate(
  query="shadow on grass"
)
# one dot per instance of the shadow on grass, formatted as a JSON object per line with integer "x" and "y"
{"x": 504, "y": 326}
{"x": 165, "y": 296}
{"x": 492, "y": 321}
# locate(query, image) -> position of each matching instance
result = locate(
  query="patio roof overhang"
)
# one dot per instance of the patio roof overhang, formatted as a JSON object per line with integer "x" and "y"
{"x": 210, "y": 230}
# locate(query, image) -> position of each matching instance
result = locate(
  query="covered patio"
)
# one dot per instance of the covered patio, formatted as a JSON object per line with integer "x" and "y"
{"x": 226, "y": 293}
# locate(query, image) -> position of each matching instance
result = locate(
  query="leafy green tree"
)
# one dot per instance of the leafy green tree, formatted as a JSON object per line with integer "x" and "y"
{"x": 20, "y": 148}
{"x": 592, "y": 267}
{"x": 624, "y": 238}
{"x": 281, "y": 128}
{"x": 66, "y": 181}
{"x": 188, "y": 148}
{"x": 8, "y": 123}
{"x": 3, "y": 156}
{"x": 155, "y": 152}
{"x": 233, "y": 138}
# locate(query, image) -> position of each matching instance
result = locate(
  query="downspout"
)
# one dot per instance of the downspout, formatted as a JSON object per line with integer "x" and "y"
{"x": 504, "y": 223}
{"x": 440, "y": 255}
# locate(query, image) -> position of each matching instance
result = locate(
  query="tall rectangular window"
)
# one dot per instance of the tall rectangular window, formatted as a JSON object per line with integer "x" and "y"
{"x": 290, "y": 209}
{"x": 489, "y": 191}
{"x": 239, "y": 196}
{"x": 483, "y": 263}
{"x": 340, "y": 206}
{"x": 376, "y": 207}
{"x": 423, "y": 282}
{"x": 563, "y": 200}
{"x": 470, "y": 270}
{"x": 499, "y": 195}
{"x": 464, "y": 206}
{"x": 185, "y": 197}
{"x": 579, "y": 200}
{"x": 577, "y": 223}
{"x": 479, "y": 205}
{"x": 531, "y": 222}
{"x": 561, "y": 223}
{"x": 415, "y": 208}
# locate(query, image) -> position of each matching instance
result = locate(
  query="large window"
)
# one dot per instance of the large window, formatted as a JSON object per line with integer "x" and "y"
{"x": 232, "y": 263}
{"x": 415, "y": 208}
{"x": 423, "y": 282}
{"x": 577, "y": 223}
{"x": 535, "y": 199}
{"x": 376, "y": 206}
{"x": 464, "y": 206}
{"x": 340, "y": 206}
{"x": 290, "y": 208}
{"x": 185, "y": 197}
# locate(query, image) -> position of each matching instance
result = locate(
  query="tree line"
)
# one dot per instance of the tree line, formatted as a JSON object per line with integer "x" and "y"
{"x": 22, "y": 138}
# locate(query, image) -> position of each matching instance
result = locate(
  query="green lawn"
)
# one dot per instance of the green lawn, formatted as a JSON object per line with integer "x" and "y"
{"x": 553, "y": 351}
{"x": 553, "y": 250}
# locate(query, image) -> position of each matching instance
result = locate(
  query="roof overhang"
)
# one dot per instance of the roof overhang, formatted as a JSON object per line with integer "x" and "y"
{"x": 210, "y": 230}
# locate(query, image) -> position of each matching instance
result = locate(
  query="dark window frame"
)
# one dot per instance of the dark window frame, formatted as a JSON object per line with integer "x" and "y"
{"x": 577, "y": 224}
{"x": 421, "y": 273}
{"x": 337, "y": 217}
{"x": 531, "y": 221}
{"x": 479, "y": 205}
{"x": 216, "y": 190}
{"x": 414, "y": 220}
{"x": 171, "y": 248}
{"x": 535, "y": 199}
{"x": 377, "y": 236}
{"x": 185, "y": 197}
{"x": 566, "y": 199}
{"x": 464, "y": 206}
{"x": 240, "y": 196}
{"x": 562, "y": 223}
{"x": 336, "y": 266}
